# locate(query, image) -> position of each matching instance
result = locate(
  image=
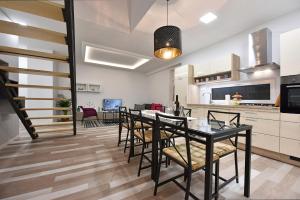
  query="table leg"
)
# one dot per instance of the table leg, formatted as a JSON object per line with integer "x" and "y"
{"x": 247, "y": 163}
{"x": 155, "y": 134}
{"x": 208, "y": 168}
{"x": 120, "y": 132}
{"x": 131, "y": 151}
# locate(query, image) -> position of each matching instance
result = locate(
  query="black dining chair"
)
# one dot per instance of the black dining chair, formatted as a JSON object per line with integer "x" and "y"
{"x": 125, "y": 120}
{"x": 145, "y": 136}
{"x": 186, "y": 112}
{"x": 189, "y": 157}
{"x": 228, "y": 146}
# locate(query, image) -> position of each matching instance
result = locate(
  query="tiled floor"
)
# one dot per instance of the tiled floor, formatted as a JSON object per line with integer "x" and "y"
{"x": 91, "y": 166}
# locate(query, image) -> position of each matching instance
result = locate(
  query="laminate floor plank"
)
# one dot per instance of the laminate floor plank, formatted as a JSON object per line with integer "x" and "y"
{"x": 90, "y": 166}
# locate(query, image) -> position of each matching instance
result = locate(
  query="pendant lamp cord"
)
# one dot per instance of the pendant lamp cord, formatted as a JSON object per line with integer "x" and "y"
{"x": 167, "y": 12}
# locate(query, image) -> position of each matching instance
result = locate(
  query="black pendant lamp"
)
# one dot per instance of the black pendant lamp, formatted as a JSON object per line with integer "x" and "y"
{"x": 167, "y": 41}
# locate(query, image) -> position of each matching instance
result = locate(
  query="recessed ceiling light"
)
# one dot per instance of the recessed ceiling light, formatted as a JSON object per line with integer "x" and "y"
{"x": 208, "y": 17}
{"x": 114, "y": 57}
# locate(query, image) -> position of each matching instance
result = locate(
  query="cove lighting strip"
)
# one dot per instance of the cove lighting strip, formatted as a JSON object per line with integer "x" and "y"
{"x": 88, "y": 49}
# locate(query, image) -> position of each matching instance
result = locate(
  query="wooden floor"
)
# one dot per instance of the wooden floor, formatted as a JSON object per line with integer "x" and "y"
{"x": 91, "y": 166}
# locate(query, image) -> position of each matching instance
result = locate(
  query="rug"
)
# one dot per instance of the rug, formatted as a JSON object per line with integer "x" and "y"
{"x": 97, "y": 123}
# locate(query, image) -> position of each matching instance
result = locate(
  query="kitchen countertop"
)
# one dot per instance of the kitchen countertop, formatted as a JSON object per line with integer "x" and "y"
{"x": 243, "y": 107}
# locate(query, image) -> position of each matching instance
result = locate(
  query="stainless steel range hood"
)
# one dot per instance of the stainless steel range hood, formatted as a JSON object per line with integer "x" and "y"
{"x": 260, "y": 51}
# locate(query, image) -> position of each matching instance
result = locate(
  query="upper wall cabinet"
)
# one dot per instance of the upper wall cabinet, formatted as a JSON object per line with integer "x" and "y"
{"x": 221, "y": 68}
{"x": 289, "y": 53}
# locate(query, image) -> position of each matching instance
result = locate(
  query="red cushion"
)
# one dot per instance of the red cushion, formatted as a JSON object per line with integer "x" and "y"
{"x": 156, "y": 106}
{"x": 89, "y": 112}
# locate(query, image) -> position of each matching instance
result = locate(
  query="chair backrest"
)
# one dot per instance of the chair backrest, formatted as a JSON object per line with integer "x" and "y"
{"x": 139, "y": 106}
{"x": 186, "y": 112}
{"x": 136, "y": 117}
{"x": 172, "y": 126}
{"x": 123, "y": 115}
{"x": 220, "y": 116}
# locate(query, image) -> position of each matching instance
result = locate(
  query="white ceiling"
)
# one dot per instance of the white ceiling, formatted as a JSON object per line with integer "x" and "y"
{"x": 182, "y": 13}
{"x": 128, "y": 25}
{"x": 113, "y": 18}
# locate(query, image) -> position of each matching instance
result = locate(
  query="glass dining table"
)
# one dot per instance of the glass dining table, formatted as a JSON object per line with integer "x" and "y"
{"x": 207, "y": 132}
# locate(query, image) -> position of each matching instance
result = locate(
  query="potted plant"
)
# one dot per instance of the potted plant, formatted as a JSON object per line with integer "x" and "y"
{"x": 65, "y": 103}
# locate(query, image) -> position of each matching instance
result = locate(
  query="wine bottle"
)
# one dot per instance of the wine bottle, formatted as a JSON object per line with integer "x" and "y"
{"x": 177, "y": 111}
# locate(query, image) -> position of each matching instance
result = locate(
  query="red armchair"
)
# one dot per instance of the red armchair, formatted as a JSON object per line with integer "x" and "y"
{"x": 88, "y": 112}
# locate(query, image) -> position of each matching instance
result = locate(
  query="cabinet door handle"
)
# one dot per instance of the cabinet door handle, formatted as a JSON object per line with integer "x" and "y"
{"x": 293, "y": 86}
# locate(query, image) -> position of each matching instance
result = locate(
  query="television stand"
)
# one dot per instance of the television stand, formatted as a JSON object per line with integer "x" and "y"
{"x": 114, "y": 116}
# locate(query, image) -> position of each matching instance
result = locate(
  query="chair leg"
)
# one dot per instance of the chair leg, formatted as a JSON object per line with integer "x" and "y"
{"x": 217, "y": 168}
{"x": 188, "y": 184}
{"x": 141, "y": 160}
{"x": 236, "y": 167}
{"x": 125, "y": 147}
{"x": 129, "y": 152}
{"x": 120, "y": 133}
{"x": 185, "y": 175}
{"x": 169, "y": 144}
{"x": 157, "y": 173}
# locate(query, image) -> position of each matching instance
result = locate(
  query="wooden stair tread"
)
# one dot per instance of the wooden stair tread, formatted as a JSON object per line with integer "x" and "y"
{"x": 37, "y": 86}
{"x": 52, "y": 124}
{"x": 43, "y": 8}
{"x": 53, "y": 130}
{"x": 32, "y": 32}
{"x": 42, "y": 99}
{"x": 33, "y": 71}
{"x": 54, "y": 108}
{"x": 50, "y": 117}
{"x": 32, "y": 53}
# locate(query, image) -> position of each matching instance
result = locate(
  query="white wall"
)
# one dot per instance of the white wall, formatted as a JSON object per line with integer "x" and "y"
{"x": 238, "y": 44}
{"x": 127, "y": 85}
{"x": 124, "y": 84}
{"x": 160, "y": 87}
{"x": 9, "y": 121}
{"x": 38, "y": 93}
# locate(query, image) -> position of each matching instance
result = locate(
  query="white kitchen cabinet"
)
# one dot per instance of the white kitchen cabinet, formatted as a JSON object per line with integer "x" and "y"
{"x": 181, "y": 88}
{"x": 230, "y": 62}
{"x": 289, "y": 53}
{"x": 265, "y": 126}
{"x": 290, "y": 130}
{"x": 202, "y": 69}
{"x": 287, "y": 117}
{"x": 260, "y": 115}
{"x": 290, "y": 147}
{"x": 221, "y": 64}
{"x": 199, "y": 112}
{"x": 183, "y": 78}
{"x": 264, "y": 141}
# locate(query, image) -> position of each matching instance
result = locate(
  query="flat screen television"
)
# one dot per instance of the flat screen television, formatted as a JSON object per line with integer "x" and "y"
{"x": 111, "y": 104}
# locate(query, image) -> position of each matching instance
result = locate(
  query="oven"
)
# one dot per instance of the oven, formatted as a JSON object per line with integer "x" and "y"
{"x": 290, "y": 94}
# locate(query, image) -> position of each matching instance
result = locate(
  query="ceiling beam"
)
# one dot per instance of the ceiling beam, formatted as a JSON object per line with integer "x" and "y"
{"x": 137, "y": 10}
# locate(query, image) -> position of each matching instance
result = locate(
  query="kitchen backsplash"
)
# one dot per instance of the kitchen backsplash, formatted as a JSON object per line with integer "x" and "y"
{"x": 248, "y": 92}
{"x": 267, "y": 91}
